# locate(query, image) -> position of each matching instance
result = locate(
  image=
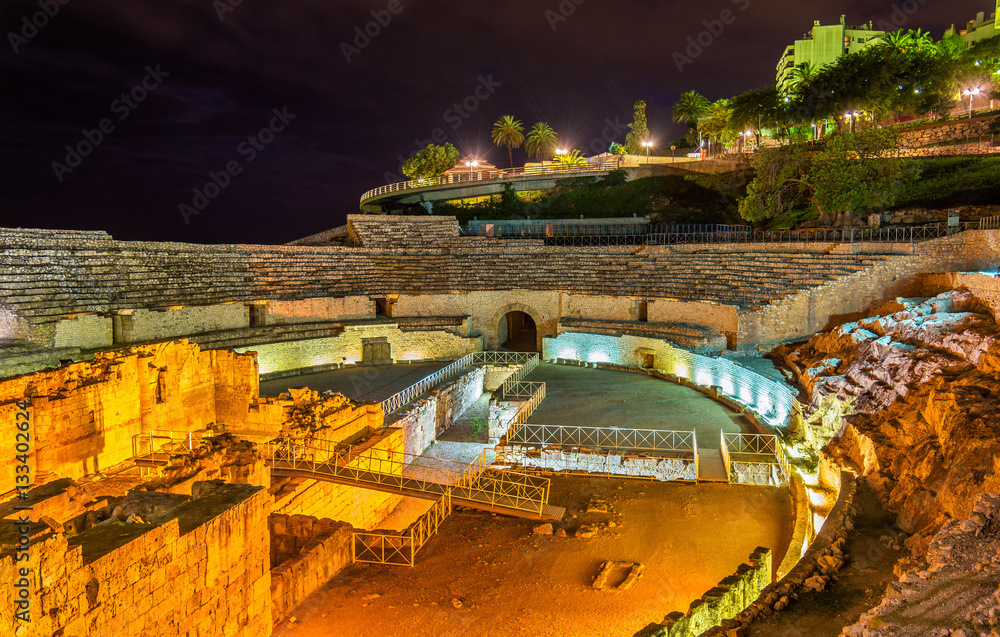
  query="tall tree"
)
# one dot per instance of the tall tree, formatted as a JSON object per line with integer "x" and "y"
{"x": 717, "y": 123}
{"x": 757, "y": 109}
{"x": 541, "y": 141}
{"x": 638, "y": 132}
{"x": 690, "y": 108}
{"x": 508, "y": 132}
{"x": 429, "y": 162}
{"x": 801, "y": 75}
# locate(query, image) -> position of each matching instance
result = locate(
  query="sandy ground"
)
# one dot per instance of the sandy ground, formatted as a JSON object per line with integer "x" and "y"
{"x": 512, "y": 582}
{"x": 375, "y": 383}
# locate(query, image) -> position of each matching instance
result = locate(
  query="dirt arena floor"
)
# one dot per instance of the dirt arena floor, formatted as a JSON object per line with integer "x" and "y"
{"x": 485, "y": 574}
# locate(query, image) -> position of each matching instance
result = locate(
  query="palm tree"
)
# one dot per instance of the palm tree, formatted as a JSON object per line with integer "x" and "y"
{"x": 898, "y": 41}
{"x": 571, "y": 159}
{"x": 801, "y": 75}
{"x": 690, "y": 108}
{"x": 541, "y": 140}
{"x": 919, "y": 39}
{"x": 508, "y": 132}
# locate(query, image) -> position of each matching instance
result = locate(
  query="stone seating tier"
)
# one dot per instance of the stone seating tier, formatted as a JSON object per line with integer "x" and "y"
{"x": 50, "y": 276}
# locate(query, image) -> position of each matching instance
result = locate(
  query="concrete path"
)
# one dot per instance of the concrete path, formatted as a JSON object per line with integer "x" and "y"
{"x": 375, "y": 383}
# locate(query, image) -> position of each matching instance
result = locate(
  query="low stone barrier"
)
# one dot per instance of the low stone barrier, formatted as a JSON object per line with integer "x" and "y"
{"x": 722, "y": 602}
{"x": 596, "y": 462}
{"x": 305, "y": 553}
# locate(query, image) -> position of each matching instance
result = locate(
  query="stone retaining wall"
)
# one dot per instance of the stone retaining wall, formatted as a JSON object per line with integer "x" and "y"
{"x": 429, "y": 417}
{"x": 348, "y": 347}
{"x": 723, "y": 602}
{"x": 306, "y": 553}
{"x": 197, "y": 573}
{"x": 947, "y": 132}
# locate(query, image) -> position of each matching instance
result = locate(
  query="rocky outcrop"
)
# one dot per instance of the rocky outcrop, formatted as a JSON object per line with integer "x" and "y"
{"x": 910, "y": 399}
{"x": 958, "y": 592}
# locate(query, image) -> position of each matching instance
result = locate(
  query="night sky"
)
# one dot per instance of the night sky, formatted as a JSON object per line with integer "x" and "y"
{"x": 200, "y": 77}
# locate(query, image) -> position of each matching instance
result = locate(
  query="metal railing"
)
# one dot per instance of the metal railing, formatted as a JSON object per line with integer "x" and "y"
{"x": 401, "y": 399}
{"x": 158, "y": 446}
{"x": 406, "y": 473}
{"x": 512, "y": 381}
{"x": 614, "y": 438}
{"x": 562, "y": 172}
{"x": 754, "y": 459}
{"x": 401, "y": 548}
{"x": 525, "y": 410}
{"x": 600, "y": 236}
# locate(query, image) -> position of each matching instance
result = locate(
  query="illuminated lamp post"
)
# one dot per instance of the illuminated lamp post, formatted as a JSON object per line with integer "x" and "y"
{"x": 972, "y": 93}
{"x": 853, "y": 117}
{"x": 471, "y": 164}
{"x": 647, "y": 145}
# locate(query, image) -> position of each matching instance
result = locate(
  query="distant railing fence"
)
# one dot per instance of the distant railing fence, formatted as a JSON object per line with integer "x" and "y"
{"x": 583, "y": 169}
{"x": 755, "y": 459}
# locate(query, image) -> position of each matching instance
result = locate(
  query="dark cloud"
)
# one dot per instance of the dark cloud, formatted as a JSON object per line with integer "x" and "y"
{"x": 577, "y": 66}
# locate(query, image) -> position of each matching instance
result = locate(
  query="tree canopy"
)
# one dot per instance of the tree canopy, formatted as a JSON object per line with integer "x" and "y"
{"x": 508, "y": 132}
{"x": 541, "y": 141}
{"x": 430, "y": 161}
{"x": 638, "y": 131}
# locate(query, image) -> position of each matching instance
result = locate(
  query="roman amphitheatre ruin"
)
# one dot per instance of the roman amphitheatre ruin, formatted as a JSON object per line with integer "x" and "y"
{"x": 535, "y": 433}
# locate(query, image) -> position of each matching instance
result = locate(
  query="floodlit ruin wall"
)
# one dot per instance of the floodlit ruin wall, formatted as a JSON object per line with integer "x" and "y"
{"x": 348, "y": 348}
{"x": 426, "y": 419}
{"x": 319, "y": 309}
{"x": 822, "y": 308}
{"x": 724, "y": 601}
{"x": 772, "y": 400}
{"x": 171, "y": 580}
{"x": 306, "y": 552}
{"x": 84, "y": 415}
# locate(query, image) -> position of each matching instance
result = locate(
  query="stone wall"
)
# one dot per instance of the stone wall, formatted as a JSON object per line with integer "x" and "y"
{"x": 822, "y": 308}
{"x": 84, "y": 415}
{"x": 347, "y": 348}
{"x": 947, "y": 132}
{"x": 425, "y": 419}
{"x": 85, "y": 332}
{"x": 495, "y": 375}
{"x": 306, "y": 553}
{"x": 774, "y": 401}
{"x": 205, "y": 571}
{"x": 723, "y": 602}
{"x": 720, "y": 317}
{"x": 487, "y": 309}
{"x": 319, "y": 309}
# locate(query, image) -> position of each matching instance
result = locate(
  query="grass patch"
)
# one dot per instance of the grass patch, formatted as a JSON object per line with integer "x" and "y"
{"x": 952, "y": 181}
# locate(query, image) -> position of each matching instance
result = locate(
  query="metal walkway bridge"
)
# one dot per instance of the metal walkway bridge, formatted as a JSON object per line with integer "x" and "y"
{"x": 472, "y": 185}
{"x": 474, "y": 485}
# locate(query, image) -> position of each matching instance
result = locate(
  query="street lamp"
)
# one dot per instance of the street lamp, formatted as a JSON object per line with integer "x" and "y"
{"x": 853, "y": 117}
{"x": 972, "y": 93}
{"x": 647, "y": 145}
{"x": 472, "y": 164}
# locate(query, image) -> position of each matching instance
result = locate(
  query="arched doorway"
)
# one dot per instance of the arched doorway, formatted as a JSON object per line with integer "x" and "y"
{"x": 517, "y": 332}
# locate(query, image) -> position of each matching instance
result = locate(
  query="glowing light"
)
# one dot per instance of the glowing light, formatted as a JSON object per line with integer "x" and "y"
{"x": 681, "y": 370}
{"x": 745, "y": 396}
{"x": 703, "y": 378}
{"x": 568, "y": 354}
{"x": 598, "y": 357}
{"x": 818, "y": 521}
{"x": 727, "y": 384}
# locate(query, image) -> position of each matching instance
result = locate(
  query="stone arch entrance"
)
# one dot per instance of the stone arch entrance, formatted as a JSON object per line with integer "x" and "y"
{"x": 517, "y": 331}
